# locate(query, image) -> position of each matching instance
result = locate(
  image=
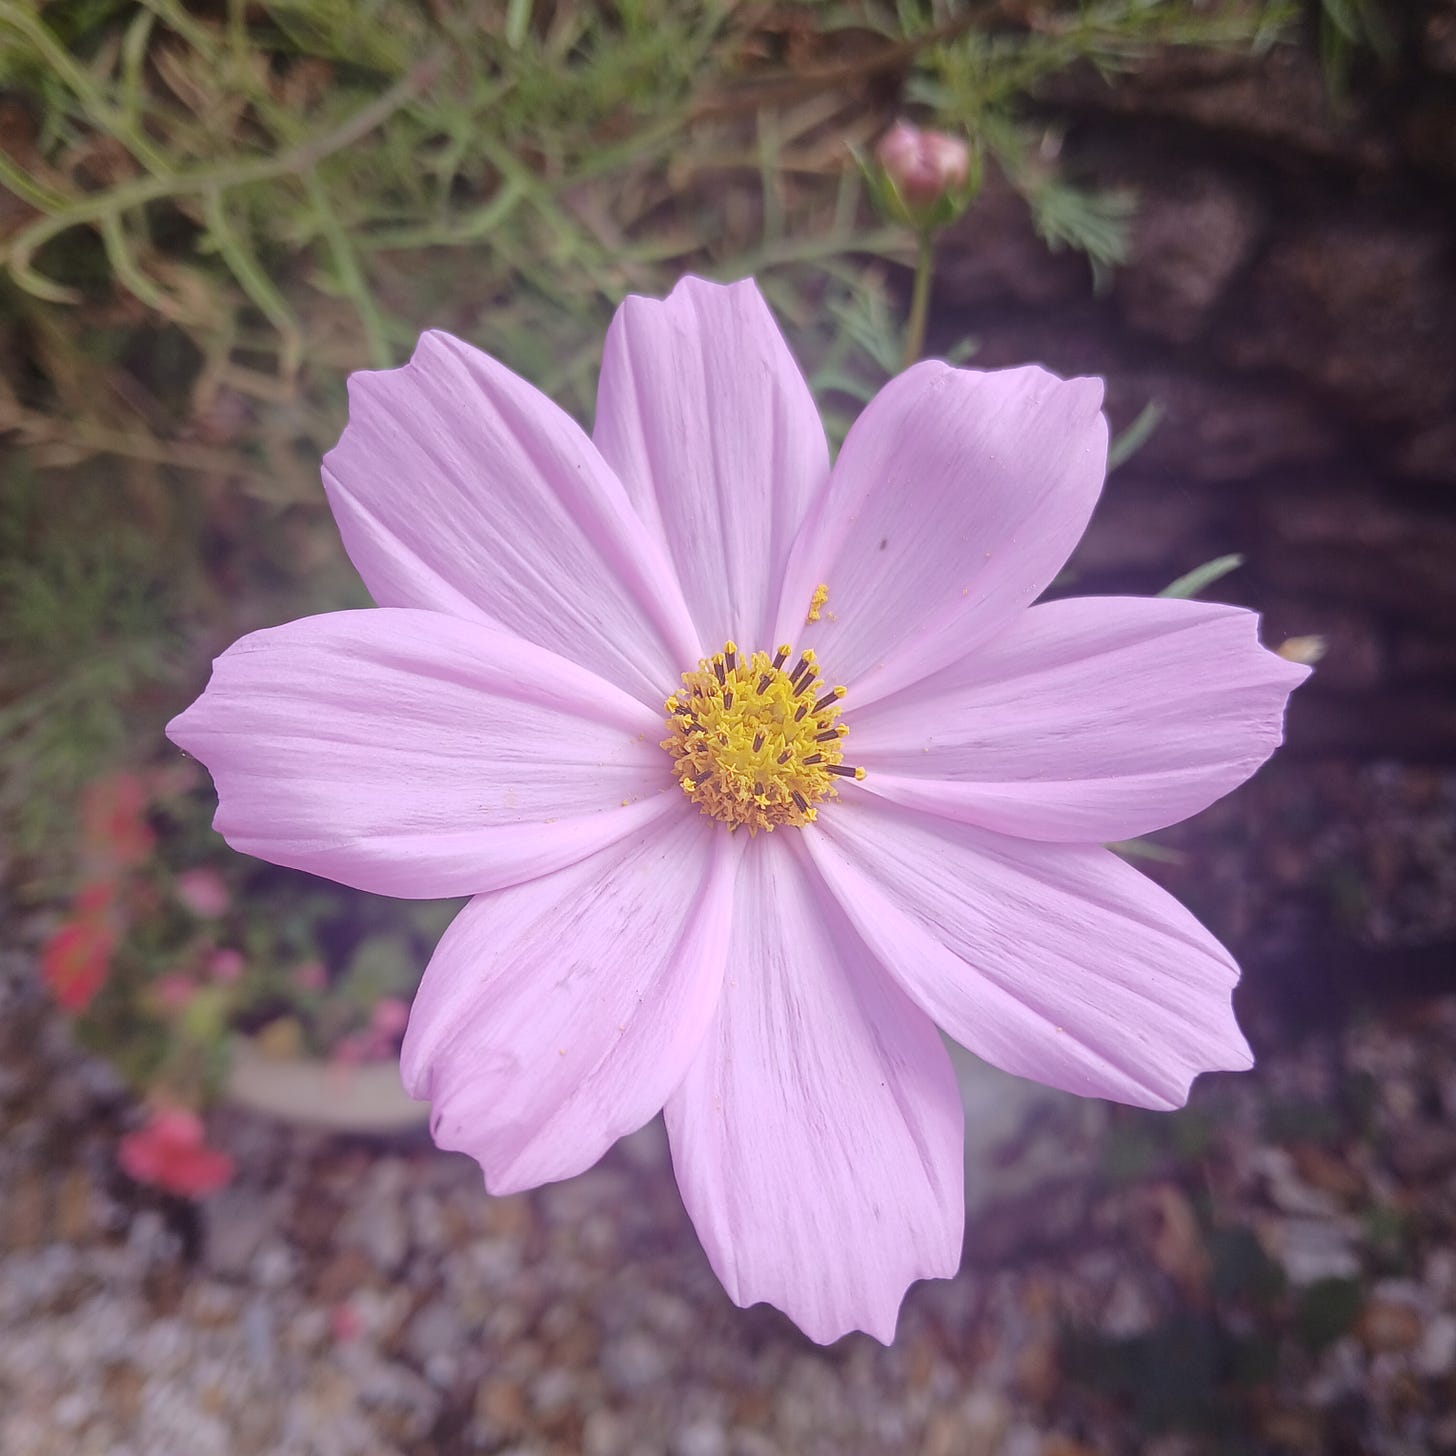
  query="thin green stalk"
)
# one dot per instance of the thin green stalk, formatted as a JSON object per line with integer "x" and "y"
{"x": 91, "y": 210}
{"x": 350, "y": 274}
{"x": 15, "y": 179}
{"x": 919, "y": 300}
{"x": 131, "y": 275}
{"x": 255, "y": 283}
{"x": 75, "y": 76}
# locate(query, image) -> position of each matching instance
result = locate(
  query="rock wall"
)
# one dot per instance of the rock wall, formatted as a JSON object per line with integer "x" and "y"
{"x": 1290, "y": 303}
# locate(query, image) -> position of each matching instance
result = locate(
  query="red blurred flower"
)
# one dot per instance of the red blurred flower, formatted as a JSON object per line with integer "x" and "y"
{"x": 113, "y": 820}
{"x": 95, "y": 900}
{"x": 75, "y": 961}
{"x": 171, "y": 1152}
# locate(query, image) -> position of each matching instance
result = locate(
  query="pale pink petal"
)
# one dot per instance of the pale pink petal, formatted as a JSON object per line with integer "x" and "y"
{"x": 415, "y": 754}
{"x": 706, "y": 418}
{"x": 818, "y": 1135}
{"x": 1087, "y": 720}
{"x": 1057, "y": 962}
{"x": 459, "y": 488}
{"x": 956, "y": 499}
{"x": 558, "y": 1015}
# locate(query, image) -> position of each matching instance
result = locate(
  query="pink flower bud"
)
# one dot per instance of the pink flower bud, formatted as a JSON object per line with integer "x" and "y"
{"x": 203, "y": 892}
{"x": 924, "y": 165}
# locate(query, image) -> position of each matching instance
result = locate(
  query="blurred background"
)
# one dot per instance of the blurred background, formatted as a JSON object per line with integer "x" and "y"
{"x": 221, "y": 1228}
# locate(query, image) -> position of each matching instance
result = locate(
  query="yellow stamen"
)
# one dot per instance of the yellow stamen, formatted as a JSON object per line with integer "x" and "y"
{"x": 754, "y": 745}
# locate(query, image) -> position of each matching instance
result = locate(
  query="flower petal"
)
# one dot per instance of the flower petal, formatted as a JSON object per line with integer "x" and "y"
{"x": 956, "y": 499}
{"x": 459, "y": 488}
{"x": 411, "y": 753}
{"x": 558, "y": 1015}
{"x": 818, "y": 1135}
{"x": 1087, "y": 720}
{"x": 1057, "y": 962}
{"x": 706, "y": 418}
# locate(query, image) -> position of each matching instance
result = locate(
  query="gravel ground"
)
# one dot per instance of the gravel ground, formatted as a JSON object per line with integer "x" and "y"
{"x": 1272, "y": 1270}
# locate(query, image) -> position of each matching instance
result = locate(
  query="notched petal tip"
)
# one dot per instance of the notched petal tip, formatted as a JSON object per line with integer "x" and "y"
{"x": 364, "y": 388}
{"x": 690, "y": 284}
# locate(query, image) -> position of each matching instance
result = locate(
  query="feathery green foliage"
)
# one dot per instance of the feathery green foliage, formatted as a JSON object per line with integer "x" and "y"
{"x": 216, "y": 213}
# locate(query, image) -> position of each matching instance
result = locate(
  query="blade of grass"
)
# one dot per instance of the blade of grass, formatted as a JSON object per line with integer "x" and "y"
{"x": 1202, "y": 577}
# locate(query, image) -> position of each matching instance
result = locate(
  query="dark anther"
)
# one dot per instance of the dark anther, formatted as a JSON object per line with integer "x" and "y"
{"x": 826, "y": 700}
{"x": 786, "y": 755}
{"x": 757, "y": 741}
{"x": 730, "y": 657}
{"x": 814, "y": 758}
{"x": 728, "y": 698}
{"x": 764, "y": 681}
{"x": 780, "y": 657}
{"x": 826, "y": 737}
{"x": 801, "y": 801}
{"x": 843, "y": 770}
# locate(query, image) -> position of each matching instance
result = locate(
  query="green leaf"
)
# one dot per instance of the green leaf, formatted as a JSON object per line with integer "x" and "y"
{"x": 1137, "y": 434}
{"x": 1203, "y": 576}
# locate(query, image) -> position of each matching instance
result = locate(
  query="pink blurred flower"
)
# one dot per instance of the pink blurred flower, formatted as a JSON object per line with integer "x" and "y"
{"x": 76, "y": 960}
{"x": 924, "y": 165}
{"x": 311, "y": 976}
{"x": 389, "y": 1017}
{"x": 203, "y": 892}
{"x": 174, "y": 992}
{"x": 351, "y": 1051}
{"x": 226, "y": 965}
{"x": 170, "y": 1152}
{"x": 493, "y": 729}
{"x": 114, "y": 829}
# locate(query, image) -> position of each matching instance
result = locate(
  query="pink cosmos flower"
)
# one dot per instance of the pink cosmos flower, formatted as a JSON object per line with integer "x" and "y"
{"x": 758, "y": 770}
{"x": 170, "y": 1152}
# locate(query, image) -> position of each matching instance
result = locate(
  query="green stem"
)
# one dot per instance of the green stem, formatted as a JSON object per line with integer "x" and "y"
{"x": 919, "y": 300}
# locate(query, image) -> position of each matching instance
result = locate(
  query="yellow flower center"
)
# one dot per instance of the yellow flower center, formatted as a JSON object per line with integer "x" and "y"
{"x": 754, "y": 743}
